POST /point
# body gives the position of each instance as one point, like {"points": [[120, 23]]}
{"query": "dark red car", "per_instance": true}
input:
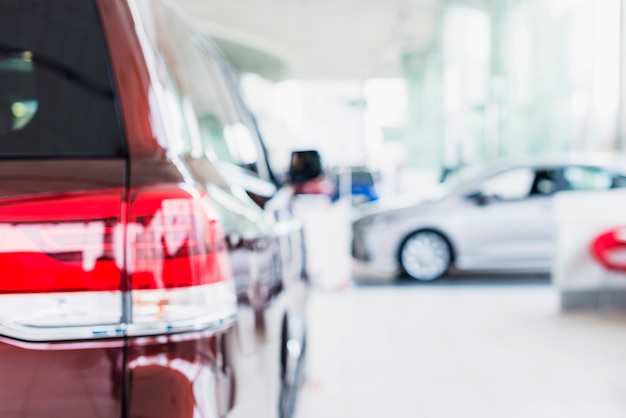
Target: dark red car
{"points": [[132, 184]]}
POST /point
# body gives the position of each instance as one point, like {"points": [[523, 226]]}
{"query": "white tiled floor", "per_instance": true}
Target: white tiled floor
{"points": [[474, 351]]}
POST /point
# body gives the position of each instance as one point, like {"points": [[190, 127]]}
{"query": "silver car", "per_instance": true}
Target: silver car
{"points": [[493, 219]]}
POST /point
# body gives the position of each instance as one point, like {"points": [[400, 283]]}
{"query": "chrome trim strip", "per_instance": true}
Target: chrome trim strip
{"points": [[64, 316], [211, 323], [89, 316], [39, 334]]}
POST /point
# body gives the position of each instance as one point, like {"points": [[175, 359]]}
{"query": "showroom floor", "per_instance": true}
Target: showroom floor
{"points": [[461, 349]]}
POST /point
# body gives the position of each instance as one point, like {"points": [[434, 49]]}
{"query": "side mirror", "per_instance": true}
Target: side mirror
{"points": [[480, 198], [305, 166]]}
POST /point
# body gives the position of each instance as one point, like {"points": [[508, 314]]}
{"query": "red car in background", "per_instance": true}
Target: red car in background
{"points": [[130, 178]]}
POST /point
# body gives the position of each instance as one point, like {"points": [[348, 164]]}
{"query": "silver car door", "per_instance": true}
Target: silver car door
{"points": [[509, 224]]}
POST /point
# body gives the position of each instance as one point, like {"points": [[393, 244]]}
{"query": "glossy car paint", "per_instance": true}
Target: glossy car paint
{"points": [[183, 375], [258, 374], [266, 247], [73, 379], [165, 376], [252, 367], [70, 380], [59, 379], [180, 375], [271, 292], [500, 235]]}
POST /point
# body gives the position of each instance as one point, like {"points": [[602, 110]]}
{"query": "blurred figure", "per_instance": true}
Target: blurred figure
{"points": [[306, 174]]}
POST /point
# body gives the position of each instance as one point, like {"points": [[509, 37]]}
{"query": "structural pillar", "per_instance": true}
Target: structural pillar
{"points": [[621, 119], [495, 146], [424, 133]]}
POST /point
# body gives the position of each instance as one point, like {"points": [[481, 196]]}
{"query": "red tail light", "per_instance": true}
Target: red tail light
{"points": [[609, 249], [63, 243], [179, 274], [173, 242], [98, 264]]}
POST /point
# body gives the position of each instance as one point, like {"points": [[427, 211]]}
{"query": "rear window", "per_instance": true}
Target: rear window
{"points": [[56, 95]]}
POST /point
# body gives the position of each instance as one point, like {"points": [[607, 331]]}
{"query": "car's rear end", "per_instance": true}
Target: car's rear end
{"points": [[115, 289]]}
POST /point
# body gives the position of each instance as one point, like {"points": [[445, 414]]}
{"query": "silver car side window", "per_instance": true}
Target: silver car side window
{"points": [[512, 184], [587, 178]]}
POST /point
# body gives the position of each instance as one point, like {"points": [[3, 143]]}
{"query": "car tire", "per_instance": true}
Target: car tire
{"points": [[425, 255]]}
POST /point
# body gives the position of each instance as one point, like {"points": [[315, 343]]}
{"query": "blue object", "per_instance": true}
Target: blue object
{"points": [[363, 186]]}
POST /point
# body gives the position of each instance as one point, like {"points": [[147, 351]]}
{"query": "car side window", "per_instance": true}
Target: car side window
{"points": [[234, 142], [587, 178], [201, 112], [547, 182], [619, 181], [522, 182], [513, 184]]}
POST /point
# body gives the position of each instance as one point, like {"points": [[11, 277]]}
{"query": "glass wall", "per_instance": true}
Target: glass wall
{"points": [[524, 77], [501, 78]]}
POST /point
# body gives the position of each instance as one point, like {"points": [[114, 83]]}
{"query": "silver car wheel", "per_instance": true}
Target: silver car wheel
{"points": [[425, 256]]}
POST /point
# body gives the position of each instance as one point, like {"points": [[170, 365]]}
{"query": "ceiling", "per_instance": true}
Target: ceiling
{"points": [[316, 38]]}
